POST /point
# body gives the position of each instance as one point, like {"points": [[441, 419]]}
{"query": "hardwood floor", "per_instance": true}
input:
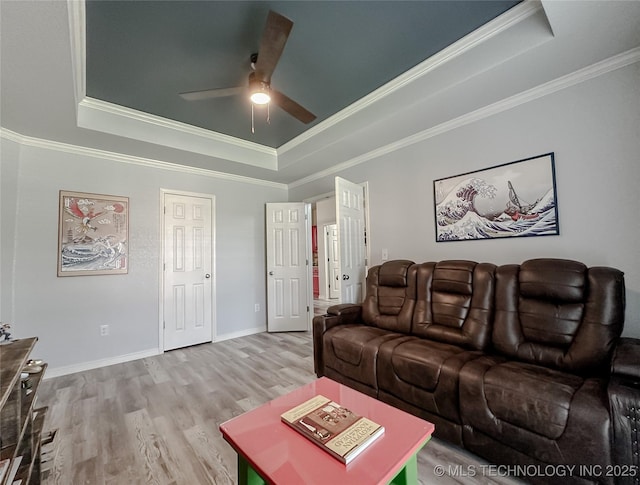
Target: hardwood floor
{"points": [[155, 420]]}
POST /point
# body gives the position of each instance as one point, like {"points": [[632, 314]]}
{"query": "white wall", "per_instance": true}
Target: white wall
{"points": [[594, 130], [9, 155], [65, 313]]}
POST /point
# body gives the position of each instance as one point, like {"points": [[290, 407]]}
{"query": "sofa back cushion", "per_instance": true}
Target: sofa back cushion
{"points": [[559, 313], [391, 296], [455, 302]]}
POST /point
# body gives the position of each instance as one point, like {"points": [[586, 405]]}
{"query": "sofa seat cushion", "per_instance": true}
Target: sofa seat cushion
{"points": [[553, 416], [352, 351], [531, 397], [423, 373]]}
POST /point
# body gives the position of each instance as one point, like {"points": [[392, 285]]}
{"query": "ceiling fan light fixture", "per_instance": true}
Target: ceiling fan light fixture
{"points": [[260, 98], [260, 93]]}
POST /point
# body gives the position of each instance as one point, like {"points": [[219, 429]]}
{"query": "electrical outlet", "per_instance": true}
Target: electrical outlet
{"points": [[104, 330], [257, 307], [385, 254]]}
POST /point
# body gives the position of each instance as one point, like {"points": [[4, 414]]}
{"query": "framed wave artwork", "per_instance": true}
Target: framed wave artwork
{"points": [[93, 234], [514, 199]]}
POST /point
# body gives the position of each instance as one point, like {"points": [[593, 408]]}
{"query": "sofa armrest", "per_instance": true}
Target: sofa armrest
{"points": [[348, 312], [336, 315], [626, 360], [624, 402]]}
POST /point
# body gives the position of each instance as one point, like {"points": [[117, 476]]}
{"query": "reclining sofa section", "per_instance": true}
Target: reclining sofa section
{"points": [[512, 362]]}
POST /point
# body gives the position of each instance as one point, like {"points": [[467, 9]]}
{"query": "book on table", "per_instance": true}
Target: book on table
{"points": [[334, 428]]}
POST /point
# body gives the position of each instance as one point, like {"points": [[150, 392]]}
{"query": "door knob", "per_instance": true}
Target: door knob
{"points": [[207, 275], [270, 273]]}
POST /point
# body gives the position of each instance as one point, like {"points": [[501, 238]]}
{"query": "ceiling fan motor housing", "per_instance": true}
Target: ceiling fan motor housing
{"points": [[259, 90]]}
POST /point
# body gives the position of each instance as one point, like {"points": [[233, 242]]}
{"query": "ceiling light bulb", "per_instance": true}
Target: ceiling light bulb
{"points": [[260, 97]]}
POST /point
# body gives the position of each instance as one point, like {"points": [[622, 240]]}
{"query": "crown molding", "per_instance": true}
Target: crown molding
{"points": [[585, 74], [175, 125], [111, 118], [130, 159], [505, 21], [11, 136]]}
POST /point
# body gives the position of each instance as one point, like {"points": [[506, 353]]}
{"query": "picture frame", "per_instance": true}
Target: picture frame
{"points": [[515, 199], [93, 234]]}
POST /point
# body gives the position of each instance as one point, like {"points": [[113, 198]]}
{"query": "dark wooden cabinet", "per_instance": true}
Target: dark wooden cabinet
{"points": [[20, 421]]}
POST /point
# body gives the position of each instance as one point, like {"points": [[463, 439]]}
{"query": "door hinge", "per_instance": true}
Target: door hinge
{"points": [[307, 262], [307, 309], [164, 325], [164, 266], [164, 209]]}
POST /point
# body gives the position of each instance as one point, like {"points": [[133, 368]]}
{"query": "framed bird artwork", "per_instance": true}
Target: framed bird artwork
{"points": [[93, 231]]}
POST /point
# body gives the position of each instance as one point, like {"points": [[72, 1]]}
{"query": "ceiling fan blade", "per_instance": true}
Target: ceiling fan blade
{"points": [[291, 107], [274, 37], [211, 93]]}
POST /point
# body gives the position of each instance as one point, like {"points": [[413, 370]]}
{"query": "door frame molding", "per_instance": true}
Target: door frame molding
{"points": [[161, 273], [326, 265], [309, 257], [367, 229]]}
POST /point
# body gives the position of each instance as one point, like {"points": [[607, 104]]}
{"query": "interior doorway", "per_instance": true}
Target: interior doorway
{"points": [[323, 216], [326, 247]]}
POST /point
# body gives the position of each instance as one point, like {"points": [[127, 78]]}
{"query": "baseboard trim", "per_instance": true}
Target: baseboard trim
{"points": [[120, 359], [95, 364], [240, 333]]}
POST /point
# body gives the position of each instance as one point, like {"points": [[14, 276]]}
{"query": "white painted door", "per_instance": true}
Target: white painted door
{"points": [[350, 217], [188, 270], [288, 229], [333, 260]]}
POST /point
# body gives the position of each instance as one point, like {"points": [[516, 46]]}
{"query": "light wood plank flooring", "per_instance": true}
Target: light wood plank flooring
{"points": [[320, 306], [155, 420]]}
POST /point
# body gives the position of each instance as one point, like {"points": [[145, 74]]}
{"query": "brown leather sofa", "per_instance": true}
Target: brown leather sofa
{"points": [[521, 364]]}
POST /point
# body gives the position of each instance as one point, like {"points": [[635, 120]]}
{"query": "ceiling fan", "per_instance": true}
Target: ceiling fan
{"points": [[274, 38]]}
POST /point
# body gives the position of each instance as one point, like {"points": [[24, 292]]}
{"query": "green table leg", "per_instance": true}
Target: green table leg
{"points": [[247, 475], [408, 475]]}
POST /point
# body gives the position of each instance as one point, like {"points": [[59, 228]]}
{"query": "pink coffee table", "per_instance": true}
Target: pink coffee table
{"points": [[269, 451]]}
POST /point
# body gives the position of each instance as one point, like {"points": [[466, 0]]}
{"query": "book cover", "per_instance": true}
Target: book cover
{"points": [[334, 428]]}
